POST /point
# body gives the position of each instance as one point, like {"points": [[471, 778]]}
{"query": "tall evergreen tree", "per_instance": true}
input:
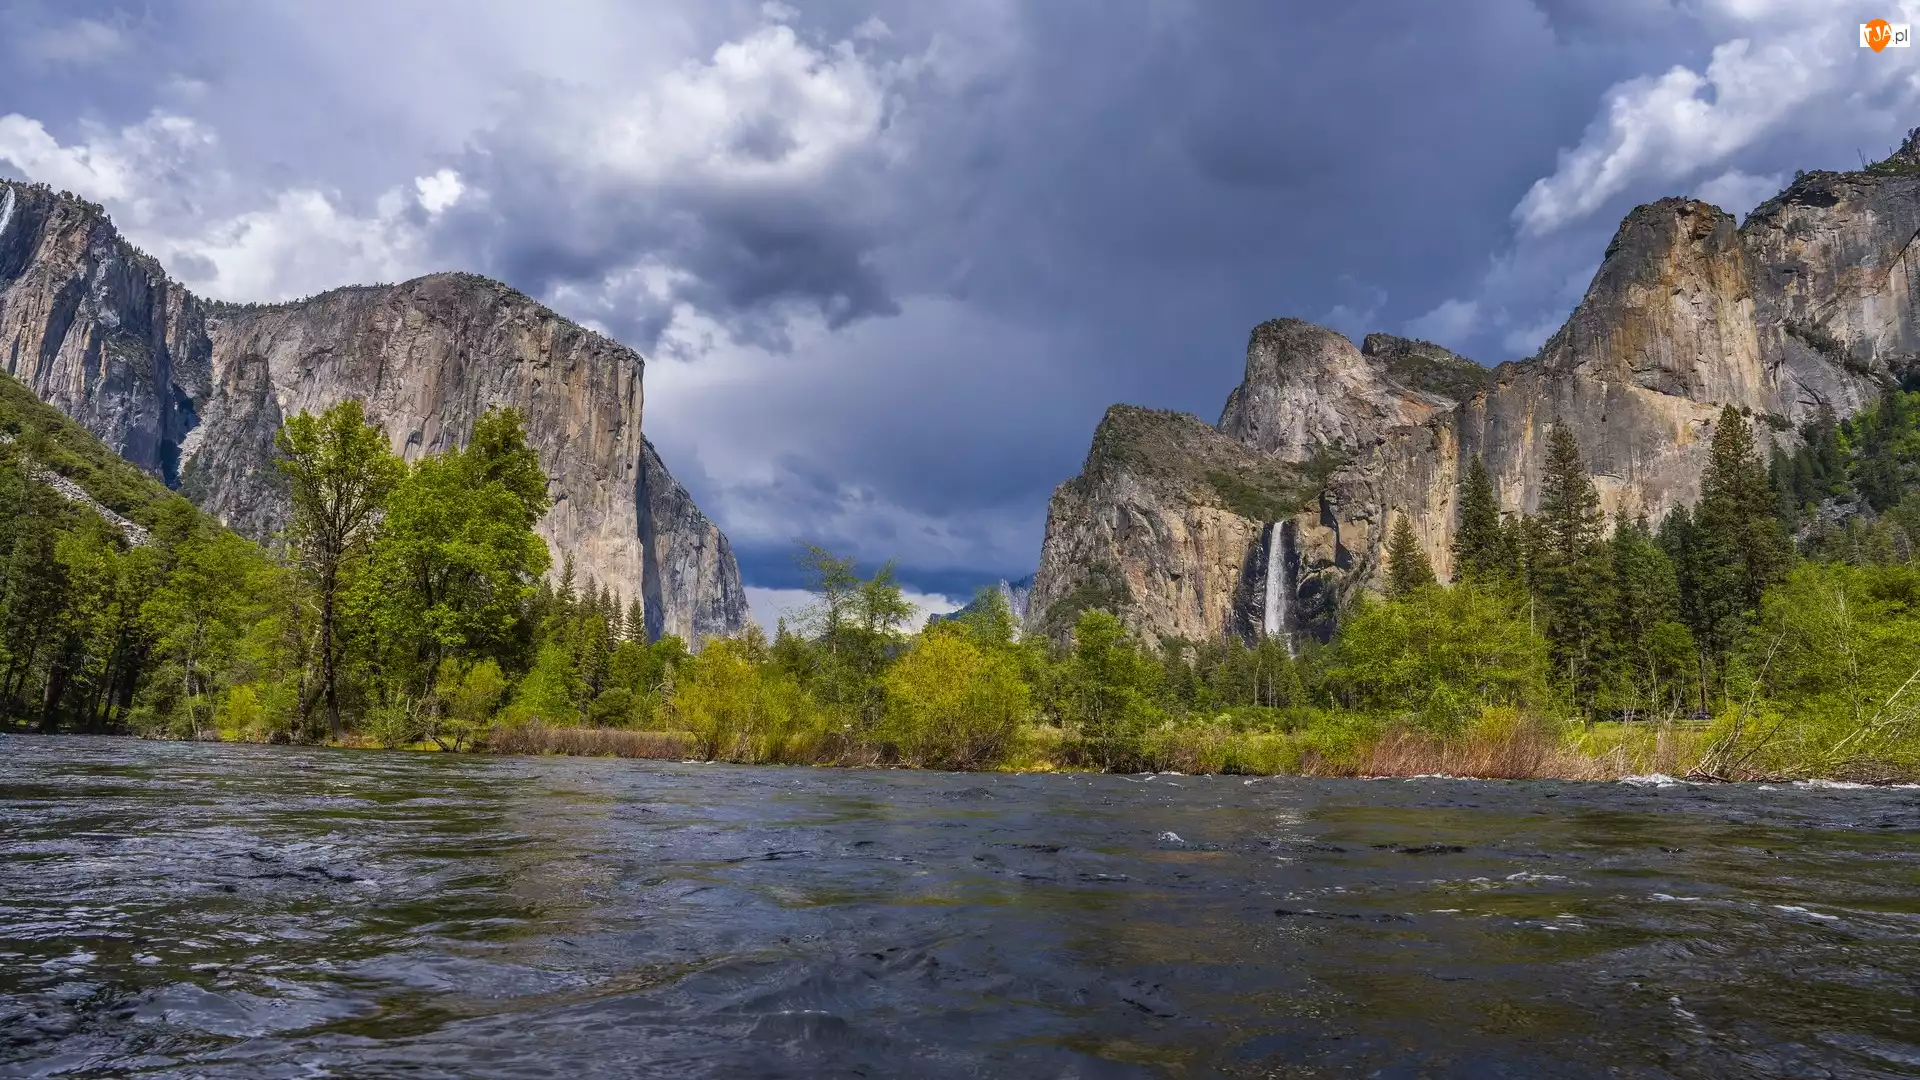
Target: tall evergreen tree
{"points": [[636, 628], [1653, 655], [1735, 515], [1573, 572], [1479, 544], [1729, 548], [1408, 570], [1570, 517]]}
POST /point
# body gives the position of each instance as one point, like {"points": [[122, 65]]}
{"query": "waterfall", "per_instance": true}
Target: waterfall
{"points": [[6, 212], [1278, 622]]}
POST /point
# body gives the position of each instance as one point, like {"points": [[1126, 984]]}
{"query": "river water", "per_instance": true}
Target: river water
{"points": [[176, 910]]}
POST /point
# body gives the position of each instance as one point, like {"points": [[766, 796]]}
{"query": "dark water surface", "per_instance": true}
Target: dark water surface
{"points": [[185, 910]]}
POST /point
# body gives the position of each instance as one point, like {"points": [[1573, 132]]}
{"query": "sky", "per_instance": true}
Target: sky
{"points": [[889, 262]]}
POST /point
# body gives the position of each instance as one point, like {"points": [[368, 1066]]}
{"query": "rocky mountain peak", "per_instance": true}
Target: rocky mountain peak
{"points": [[1307, 390], [1425, 367], [1813, 302], [193, 391]]}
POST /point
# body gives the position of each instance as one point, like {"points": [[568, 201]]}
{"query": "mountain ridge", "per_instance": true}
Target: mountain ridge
{"points": [[1813, 301], [192, 390]]}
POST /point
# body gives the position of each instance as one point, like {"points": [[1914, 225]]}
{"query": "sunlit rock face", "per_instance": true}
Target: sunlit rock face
{"points": [[193, 391], [1813, 301]]}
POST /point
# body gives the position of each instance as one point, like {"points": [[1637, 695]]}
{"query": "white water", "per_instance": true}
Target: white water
{"points": [[1275, 623], [6, 212]]}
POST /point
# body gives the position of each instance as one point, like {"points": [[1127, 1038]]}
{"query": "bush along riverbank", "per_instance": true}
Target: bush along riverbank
{"points": [[1750, 636]]}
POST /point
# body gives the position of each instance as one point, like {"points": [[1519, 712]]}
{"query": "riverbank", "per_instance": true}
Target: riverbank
{"points": [[1500, 745]]}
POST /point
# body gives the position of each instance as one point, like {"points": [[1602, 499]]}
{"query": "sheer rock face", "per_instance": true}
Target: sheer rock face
{"points": [[193, 392], [689, 581], [1814, 301], [1307, 387], [1150, 529]]}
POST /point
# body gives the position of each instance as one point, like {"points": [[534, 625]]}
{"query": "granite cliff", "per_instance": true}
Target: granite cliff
{"points": [[1813, 301], [192, 391]]}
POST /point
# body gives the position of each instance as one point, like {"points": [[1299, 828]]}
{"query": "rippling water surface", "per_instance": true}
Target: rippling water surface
{"points": [[185, 910]]}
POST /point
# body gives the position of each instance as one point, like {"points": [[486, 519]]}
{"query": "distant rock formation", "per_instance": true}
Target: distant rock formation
{"points": [[192, 391], [1814, 301], [1017, 594]]}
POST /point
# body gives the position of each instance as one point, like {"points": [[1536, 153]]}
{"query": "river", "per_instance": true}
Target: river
{"points": [[195, 910]]}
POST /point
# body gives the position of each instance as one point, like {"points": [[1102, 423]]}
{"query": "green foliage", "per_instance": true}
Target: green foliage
{"points": [[468, 700], [1101, 588], [1108, 692], [1652, 668], [1570, 517], [1479, 544], [1568, 567], [457, 559], [952, 704], [32, 429], [1436, 657], [1730, 548], [1836, 665], [339, 471], [1408, 570], [443, 626]]}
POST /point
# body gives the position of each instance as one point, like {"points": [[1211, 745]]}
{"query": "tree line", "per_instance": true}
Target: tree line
{"points": [[413, 605]]}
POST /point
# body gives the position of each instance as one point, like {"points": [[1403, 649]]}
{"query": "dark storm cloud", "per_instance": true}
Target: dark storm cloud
{"points": [[890, 273]]}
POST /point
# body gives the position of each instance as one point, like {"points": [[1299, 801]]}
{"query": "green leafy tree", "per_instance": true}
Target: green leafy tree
{"points": [[199, 616], [988, 619], [1408, 570], [952, 704], [1436, 657], [1110, 689], [469, 696], [339, 471]]}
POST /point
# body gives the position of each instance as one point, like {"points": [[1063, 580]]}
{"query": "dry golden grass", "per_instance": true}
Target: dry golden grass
{"points": [[591, 742], [1518, 751]]}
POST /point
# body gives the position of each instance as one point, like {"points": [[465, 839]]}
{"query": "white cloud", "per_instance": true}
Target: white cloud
{"points": [[302, 244], [766, 110], [768, 606], [109, 166], [439, 191], [1449, 321], [1662, 129], [1737, 192], [151, 176]]}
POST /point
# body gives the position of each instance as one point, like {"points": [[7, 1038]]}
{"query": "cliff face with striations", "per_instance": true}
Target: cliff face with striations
{"points": [[1814, 301], [193, 392]]}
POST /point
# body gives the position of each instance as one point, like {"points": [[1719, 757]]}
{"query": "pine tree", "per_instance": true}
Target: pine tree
{"points": [[1479, 545], [1738, 546], [1653, 655], [1572, 572], [1408, 570], [565, 593], [1570, 512], [636, 628]]}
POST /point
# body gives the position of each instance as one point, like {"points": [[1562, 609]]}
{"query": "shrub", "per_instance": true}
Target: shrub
{"points": [[951, 705]]}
